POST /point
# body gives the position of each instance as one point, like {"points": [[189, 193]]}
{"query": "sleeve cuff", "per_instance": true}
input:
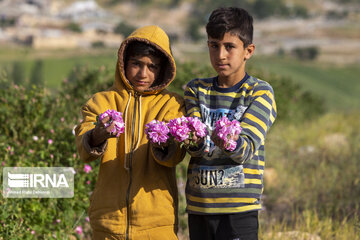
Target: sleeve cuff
{"points": [[196, 151], [165, 156], [93, 151]]}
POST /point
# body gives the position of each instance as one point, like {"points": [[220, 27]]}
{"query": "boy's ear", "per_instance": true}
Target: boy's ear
{"points": [[249, 51]]}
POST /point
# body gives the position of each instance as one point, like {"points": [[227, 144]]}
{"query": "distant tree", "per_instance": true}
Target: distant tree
{"points": [[193, 30], [37, 77], [281, 52], [269, 8], [98, 44], [299, 11], [74, 27], [336, 15], [18, 73], [7, 22], [306, 53], [124, 29], [174, 3]]}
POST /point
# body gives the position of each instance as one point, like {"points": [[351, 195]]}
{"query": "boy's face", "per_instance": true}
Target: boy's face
{"points": [[228, 56], [142, 71]]}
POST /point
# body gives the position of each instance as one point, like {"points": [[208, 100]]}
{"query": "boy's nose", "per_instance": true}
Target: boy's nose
{"points": [[143, 72], [222, 53]]}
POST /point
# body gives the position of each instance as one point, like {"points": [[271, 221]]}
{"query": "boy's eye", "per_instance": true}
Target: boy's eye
{"points": [[153, 67], [135, 63], [229, 47]]}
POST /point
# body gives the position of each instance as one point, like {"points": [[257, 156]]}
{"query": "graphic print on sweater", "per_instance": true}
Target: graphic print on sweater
{"points": [[210, 116]]}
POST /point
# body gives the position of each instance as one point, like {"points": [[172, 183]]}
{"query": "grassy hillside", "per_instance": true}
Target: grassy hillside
{"points": [[339, 85]]}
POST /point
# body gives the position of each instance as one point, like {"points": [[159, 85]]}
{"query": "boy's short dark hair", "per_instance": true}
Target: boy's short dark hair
{"points": [[231, 19], [137, 48]]}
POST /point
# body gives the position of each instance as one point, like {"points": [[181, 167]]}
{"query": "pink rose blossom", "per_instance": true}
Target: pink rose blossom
{"points": [[58, 220], [225, 129], [52, 131], [79, 230], [114, 117], [87, 219], [33, 232], [31, 151], [179, 128], [183, 128], [157, 132], [197, 126], [51, 156], [62, 119], [87, 168], [2, 163], [50, 141], [88, 182]]}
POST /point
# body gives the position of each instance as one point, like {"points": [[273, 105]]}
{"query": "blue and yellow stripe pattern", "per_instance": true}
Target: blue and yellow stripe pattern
{"points": [[220, 181]]}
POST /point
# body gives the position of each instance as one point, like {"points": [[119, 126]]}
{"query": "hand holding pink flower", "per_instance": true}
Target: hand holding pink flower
{"points": [[115, 117], [226, 133], [109, 124], [157, 132], [187, 130]]}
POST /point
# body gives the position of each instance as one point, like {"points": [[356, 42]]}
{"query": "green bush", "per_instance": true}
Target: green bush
{"points": [[124, 28], [74, 27], [314, 166], [37, 74], [29, 119], [18, 73], [98, 44], [306, 53]]}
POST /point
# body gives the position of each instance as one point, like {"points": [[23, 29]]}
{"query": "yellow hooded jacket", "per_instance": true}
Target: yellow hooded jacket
{"points": [[135, 196]]}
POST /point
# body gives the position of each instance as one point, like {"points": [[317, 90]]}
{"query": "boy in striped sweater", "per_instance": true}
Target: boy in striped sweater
{"points": [[224, 187]]}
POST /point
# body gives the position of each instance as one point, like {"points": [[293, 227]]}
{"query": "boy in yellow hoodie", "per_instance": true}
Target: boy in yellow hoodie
{"points": [[135, 196]]}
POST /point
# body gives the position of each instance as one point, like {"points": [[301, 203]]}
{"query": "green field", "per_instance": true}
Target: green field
{"points": [[338, 85], [57, 64]]}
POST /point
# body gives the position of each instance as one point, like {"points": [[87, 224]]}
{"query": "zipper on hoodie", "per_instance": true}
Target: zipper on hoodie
{"points": [[130, 169]]}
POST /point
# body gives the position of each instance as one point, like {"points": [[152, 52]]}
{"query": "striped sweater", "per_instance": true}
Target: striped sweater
{"points": [[218, 181]]}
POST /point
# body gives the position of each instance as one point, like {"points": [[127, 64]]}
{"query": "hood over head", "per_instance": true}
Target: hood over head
{"points": [[155, 36]]}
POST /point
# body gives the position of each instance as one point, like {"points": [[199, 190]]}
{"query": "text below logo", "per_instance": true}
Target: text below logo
{"points": [[43, 182]]}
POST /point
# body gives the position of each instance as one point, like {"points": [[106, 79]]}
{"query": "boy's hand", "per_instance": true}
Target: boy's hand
{"points": [[100, 134], [195, 139], [162, 145], [221, 143]]}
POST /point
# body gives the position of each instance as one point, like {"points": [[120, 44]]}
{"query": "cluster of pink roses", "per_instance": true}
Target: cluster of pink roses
{"points": [[157, 132], [179, 128], [224, 129], [114, 117]]}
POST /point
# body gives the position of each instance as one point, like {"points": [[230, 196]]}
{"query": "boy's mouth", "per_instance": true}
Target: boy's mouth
{"points": [[139, 82], [222, 66]]}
